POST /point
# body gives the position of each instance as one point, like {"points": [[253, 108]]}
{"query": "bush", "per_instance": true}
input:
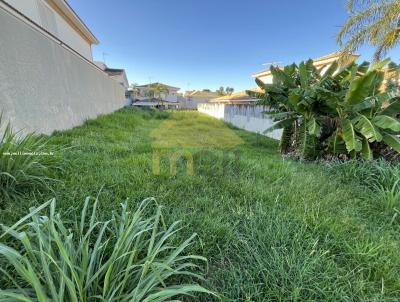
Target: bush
{"points": [[129, 257], [338, 112], [25, 163]]}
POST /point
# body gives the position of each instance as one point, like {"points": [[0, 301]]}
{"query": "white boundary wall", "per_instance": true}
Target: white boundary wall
{"points": [[247, 117], [44, 85]]}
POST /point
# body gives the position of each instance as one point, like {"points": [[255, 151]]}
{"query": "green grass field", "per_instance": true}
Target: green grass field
{"points": [[272, 229]]}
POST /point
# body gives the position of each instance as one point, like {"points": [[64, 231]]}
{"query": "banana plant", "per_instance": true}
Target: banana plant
{"points": [[295, 107], [364, 114], [338, 110]]}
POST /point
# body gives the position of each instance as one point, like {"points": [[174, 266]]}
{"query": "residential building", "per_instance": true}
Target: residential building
{"points": [[47, 47], [391, 74], [322, 63], [157, 95], [168, 93], [238, 98], [193, 98], [60, 20], [155, 103], [117, 74]]}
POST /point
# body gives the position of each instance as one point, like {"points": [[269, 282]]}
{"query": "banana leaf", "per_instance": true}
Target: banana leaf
{"points": [[260, 83], [350, 137], [281, 124], [363, 67], [331, 70], [303, 75], [365, 126], [392, 141], [380, 64], [278, 115], [387, 122], [393, 108], [366, 150], [313, 127], [360, 88], [280, 77], [336, 143]]}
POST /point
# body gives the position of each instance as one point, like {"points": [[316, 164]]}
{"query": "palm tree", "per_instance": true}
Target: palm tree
{"points": [[157, 90], [135, 90], [374, 22]]}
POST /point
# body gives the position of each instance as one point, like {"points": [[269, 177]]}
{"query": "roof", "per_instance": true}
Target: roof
{"points": [[318, 62], [333, 55], [236, 97], [141, 103], [154, 100], [157, 83], [114, 71], [265, 72], [66, 11], [203, 94], [330, 58]]}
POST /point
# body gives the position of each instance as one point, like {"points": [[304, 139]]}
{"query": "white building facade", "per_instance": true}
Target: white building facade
{"points": [[169, 93], [48, 80], [58, 18]]}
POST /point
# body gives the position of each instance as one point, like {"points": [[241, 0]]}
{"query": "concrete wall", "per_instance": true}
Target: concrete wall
{"points": [[44, 86], [44, 15], [248, 117], [185, 103]]}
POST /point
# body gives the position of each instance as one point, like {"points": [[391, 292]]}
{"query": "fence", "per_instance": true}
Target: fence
{"points": [[44, 85], [249, 117]]}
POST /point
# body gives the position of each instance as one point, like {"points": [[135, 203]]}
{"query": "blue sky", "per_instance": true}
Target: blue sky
{"points": [[197, 44]]}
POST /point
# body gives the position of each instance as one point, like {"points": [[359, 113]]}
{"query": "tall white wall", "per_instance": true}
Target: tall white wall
{"points": [[44, 15], [44, 86], [247, 117]]}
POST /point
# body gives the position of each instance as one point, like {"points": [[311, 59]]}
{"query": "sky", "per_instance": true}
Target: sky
{"points": [[205, 44]]}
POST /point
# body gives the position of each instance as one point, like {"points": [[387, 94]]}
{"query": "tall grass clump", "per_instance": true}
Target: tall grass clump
{"points": [[26, 162], [130, 257], [278, 258], [379, 176]]}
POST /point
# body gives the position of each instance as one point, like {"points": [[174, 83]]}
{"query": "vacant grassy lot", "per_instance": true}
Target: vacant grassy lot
{"points": [[272, 229]]}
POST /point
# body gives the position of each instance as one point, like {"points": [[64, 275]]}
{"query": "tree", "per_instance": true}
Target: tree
{"points": [[229, 90], [157, 91], [374, 22], [221, 91], [135, 90]]}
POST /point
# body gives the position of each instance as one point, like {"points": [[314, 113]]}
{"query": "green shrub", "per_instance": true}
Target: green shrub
{"points": [[130, 257], [340, 112], [26, 162]]}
